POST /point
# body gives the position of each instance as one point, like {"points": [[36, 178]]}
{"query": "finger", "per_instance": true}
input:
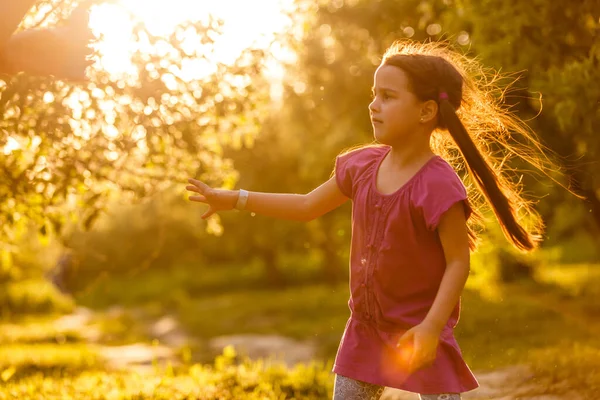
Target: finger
{"points": [[198, 199], [414, 362], [192, 188], [405, 339], [417, 357], [422, 362], [201, 185], [208, 213], [412, 357]]}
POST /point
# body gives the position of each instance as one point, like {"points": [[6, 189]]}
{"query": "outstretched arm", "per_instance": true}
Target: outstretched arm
{"points": [[297, 207]]}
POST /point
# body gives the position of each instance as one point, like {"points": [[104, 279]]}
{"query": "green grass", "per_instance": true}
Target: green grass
{"points": [[495, 334], [34, 331], [22, 360], [119, 329], [499, 329], [31, 297], [570, 367], [225, 379], [312, 312], [166, 288], [200, 300], [550, 324]]}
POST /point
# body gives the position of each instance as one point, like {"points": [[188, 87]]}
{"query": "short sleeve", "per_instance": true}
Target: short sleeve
{"points": [[438, 192], [351, 167], [343, 173]]}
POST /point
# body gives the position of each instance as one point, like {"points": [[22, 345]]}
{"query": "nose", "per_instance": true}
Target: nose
{"points": [[374, 106]]}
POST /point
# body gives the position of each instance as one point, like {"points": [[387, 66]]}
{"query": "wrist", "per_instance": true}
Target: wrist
{"points": [[434, 326], [235, 194], [241, 199]]}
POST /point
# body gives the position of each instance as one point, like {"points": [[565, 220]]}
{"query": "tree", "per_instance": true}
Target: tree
{"points": [[342, 43], [67, 147], [554, 48]]}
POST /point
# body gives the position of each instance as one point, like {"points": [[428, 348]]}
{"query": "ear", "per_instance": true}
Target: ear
{"points": [[429, 110]]}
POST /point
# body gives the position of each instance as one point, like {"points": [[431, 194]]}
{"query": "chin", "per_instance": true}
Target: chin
{"points": [[381, 138]]}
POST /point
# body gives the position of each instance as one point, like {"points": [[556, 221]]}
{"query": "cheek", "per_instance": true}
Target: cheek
{"points": [[403, 113]]}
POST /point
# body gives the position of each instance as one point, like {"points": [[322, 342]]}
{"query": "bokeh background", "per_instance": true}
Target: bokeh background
{"points": [[263, 95]]}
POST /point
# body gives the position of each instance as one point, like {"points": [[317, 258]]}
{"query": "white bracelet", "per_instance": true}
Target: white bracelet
{"points": [[242, 200]]}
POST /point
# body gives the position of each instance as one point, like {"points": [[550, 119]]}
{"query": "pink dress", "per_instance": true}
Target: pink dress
{"points": [[396, 266]]}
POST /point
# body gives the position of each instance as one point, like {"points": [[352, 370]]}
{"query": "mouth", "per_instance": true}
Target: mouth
{"points": [[376, 121]]}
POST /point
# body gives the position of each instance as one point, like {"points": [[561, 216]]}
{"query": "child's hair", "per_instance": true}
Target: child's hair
{"points": [[482, 130]]}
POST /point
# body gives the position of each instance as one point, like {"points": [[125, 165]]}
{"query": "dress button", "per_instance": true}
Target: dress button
{"points": [[363, 261], [368, 316], [370, 246], [362, 285], [377, 206]]}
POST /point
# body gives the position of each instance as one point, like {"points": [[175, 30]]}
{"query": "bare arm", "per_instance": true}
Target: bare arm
{"points": [[296, 207], [418, 346], [455, 242]]}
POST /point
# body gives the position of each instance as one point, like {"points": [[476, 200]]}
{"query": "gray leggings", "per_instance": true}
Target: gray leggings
{"points": [[350, 389]]}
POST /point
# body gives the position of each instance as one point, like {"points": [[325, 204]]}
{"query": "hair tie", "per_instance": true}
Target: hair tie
{"points": [[443, 96]]}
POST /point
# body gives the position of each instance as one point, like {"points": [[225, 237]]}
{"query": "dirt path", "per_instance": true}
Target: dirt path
{"points": [[512, 383]]}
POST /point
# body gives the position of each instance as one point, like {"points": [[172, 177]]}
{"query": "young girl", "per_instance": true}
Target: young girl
{"points": [[410, 238]]}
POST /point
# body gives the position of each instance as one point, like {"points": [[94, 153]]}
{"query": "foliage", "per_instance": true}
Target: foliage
{"points": [[163, 128], [554, 52], [33, 296], [225, 379], [573, 368], [19, 360], [527, 310], [524, 324], [67, 147]]}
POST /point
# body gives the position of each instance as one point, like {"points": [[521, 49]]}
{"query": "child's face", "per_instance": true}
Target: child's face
{"points": [[395, 111]]}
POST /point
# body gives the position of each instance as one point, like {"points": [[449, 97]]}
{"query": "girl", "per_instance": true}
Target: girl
{"points": [[410, 238]]}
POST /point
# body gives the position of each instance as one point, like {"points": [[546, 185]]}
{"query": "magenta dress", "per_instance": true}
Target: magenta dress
{"points": [[396, 266]]}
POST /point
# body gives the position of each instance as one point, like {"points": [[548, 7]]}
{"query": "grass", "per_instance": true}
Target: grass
{"points": [[498, 330], [18, 360], [569, 368], [225, 379], [34, 331], [549, 324], [31, 297]]}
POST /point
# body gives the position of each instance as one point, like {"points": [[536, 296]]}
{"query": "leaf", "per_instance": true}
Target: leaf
{"points": [[6, 260], [8, 373]]}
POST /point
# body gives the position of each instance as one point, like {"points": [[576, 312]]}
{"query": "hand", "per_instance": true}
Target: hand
{"points": [[418, 346], [217, 199]]}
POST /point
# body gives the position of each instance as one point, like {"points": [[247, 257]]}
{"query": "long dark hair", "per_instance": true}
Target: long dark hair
{"points": [[484, 134]]}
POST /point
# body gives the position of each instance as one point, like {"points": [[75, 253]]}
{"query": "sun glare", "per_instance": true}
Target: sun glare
{"points": [[245, 24]]}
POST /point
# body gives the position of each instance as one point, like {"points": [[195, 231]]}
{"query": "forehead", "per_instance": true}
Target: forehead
{"points": [[391, 77]]}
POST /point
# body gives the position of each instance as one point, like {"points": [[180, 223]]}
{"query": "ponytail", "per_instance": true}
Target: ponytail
{"points": [[485, 134], [485, 178]]}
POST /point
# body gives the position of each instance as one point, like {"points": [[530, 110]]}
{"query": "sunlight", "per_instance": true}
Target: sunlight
{"points": [[11, 145], [245, 24]]}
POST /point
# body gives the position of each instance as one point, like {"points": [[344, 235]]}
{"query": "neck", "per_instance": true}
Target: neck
{"points": [[410, 152]]}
